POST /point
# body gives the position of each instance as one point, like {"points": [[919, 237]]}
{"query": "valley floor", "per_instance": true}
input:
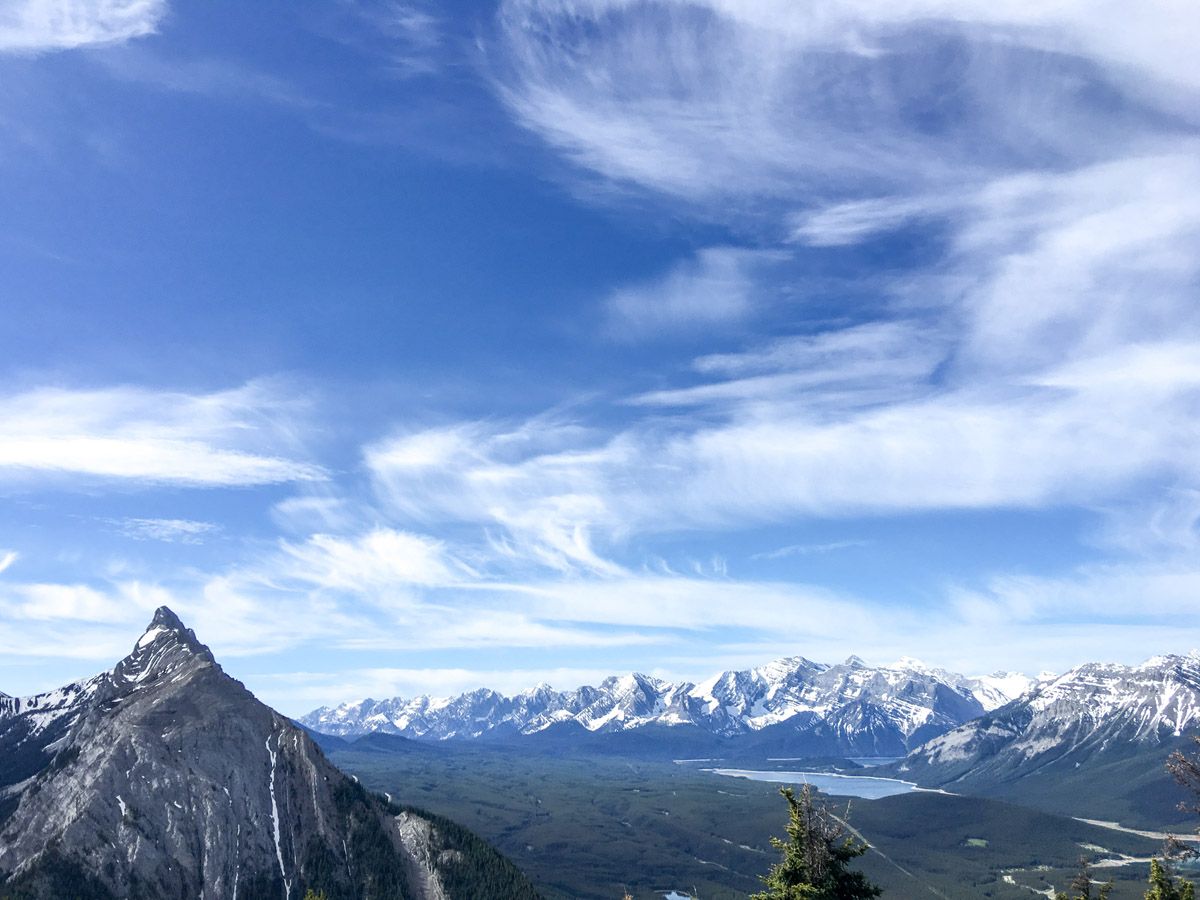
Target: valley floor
{"points": [[590, 827]]}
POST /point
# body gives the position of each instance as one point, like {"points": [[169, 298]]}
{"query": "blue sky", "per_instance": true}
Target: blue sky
{"points": [[407, 347]]}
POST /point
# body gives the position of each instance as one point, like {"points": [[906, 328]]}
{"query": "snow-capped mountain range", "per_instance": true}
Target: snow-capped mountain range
{"points": [[1098, 710], [790, 703]]}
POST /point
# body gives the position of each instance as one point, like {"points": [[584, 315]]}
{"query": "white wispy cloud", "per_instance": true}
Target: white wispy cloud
{"points": [[741, 105], [799, 611], [1006, 445], [1154, 592], [718, 286], [401, 592], [850, 222], [321, 509], [1163, 524], [405, 37], [181, 531], [237, 437], [7, 558], [533, 481], [61, 601], [1076, 264], [1156, 44], [75, 620], [863, 365], [85, 647], [35, 26], [810, 549], [379, 590], [380, 558]]}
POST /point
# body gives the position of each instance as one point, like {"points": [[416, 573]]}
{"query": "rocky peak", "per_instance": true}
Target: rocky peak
{"points": [[167, 647], [165, 777], [164, 617]]}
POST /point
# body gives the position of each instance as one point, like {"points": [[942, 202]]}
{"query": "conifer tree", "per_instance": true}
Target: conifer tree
{"points": [[1186, 769], [1163, 886], [1081, 886], [816, 857]]}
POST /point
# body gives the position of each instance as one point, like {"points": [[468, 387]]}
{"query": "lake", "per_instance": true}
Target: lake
{"points": [[864, 786]]}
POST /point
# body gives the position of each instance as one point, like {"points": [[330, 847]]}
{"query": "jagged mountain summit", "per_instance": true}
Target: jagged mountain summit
{"points": [[792, 704], [1094, 722], [166, 778]]}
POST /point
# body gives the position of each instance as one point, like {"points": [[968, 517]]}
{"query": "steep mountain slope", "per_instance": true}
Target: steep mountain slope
{"points": [[790, 705], [31, 728], [1102, 726], [167, 778]]}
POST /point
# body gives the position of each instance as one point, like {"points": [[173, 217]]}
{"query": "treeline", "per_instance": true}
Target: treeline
{"points": [[54, 877], [467, 865]]}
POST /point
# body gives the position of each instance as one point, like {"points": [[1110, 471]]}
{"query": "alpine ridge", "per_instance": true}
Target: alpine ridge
{"points": [[792, 704], [1091, 709], [166, 778], [1100, 723]]}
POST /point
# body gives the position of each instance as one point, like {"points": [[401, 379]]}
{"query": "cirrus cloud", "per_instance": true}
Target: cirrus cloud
{"points": [[741, 106], [238, 437], [36, 26]]}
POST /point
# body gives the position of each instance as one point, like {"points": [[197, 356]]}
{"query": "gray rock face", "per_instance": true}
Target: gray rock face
{"points": [[168, 779]]}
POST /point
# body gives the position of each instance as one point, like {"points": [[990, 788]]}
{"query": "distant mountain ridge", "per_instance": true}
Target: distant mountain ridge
{"points": [[1091, 709], [849, 708], [1101, 728], [164, 777]]}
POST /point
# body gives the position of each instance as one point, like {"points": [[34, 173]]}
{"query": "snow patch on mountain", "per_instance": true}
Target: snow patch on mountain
{"points": [[995, 690]]}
